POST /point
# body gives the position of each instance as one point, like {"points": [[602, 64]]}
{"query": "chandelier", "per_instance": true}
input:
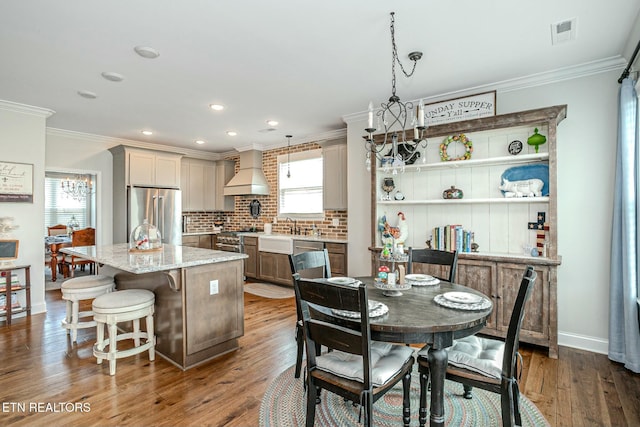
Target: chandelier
{"points": [[405, 144], [78, 188]]}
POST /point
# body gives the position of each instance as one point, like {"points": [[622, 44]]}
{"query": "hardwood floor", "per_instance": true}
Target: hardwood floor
{"points": [[40, 367]]}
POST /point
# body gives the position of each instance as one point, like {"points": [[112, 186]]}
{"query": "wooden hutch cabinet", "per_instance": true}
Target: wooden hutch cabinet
{"points": [[504, 225]]}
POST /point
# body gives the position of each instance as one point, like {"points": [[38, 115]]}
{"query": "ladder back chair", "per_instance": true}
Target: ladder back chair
{"points": [[434, 257], [485, 363], [56, 230], [82, 237], [349, 370], [299, 263]]}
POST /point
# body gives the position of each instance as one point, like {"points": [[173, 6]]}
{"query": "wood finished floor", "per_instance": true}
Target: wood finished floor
{"points": [[38, 364]]}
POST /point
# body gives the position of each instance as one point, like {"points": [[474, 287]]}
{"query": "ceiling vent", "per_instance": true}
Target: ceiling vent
{"points": [[563, 31]]}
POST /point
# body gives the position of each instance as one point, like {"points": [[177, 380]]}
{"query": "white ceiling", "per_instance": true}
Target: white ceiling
{"points": [[306, 64]]}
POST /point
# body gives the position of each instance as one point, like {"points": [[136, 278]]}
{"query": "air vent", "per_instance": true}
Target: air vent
{"points": [[564, 31]]}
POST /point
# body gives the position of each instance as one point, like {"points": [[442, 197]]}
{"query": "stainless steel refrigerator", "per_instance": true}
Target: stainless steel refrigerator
{"points": [[161, 207]]}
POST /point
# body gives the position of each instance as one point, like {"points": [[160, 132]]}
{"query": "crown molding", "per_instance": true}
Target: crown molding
{"points": [[112, 142], [26, 109], [533, 80]]}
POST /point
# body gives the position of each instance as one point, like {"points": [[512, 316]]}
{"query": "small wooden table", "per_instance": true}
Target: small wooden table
{"points": [[415, 318], [55, 243]]}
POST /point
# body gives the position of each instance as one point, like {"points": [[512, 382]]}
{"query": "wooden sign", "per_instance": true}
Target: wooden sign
{"points": [[16, 182], [455, 110]]}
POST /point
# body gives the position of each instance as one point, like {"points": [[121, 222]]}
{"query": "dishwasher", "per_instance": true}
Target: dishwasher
{"points": [[300, 246]]}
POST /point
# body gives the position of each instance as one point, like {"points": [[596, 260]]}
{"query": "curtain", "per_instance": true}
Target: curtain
{"points": [[624, 328]]}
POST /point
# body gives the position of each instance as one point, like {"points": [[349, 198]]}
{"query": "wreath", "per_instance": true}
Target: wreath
{"points": [[468, 147]]}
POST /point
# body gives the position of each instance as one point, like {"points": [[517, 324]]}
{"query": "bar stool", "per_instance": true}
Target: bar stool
{"points": [[78, 289], [122, 306]]}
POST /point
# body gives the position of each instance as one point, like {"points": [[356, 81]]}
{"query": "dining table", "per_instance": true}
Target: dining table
{"points": [[53, 244], [417, 316]]}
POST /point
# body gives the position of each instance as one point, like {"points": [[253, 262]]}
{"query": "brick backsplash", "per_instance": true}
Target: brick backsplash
{"points": [[241, 218]]}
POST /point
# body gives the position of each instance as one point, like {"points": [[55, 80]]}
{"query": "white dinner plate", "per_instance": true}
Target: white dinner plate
{"points": [[419, 277], [462, 297], [342, 280]]}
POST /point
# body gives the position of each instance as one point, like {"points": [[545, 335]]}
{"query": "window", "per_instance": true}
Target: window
{"points": [[300, 194], [59, 207]]}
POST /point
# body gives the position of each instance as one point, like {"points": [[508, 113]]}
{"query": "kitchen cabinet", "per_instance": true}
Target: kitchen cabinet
{"points": [[225, 170], [251, 250], [506, 226], [334, 177], [204, 241], [198, 183], [274, 268], [337, 258], [11, 285], [147, 168]]}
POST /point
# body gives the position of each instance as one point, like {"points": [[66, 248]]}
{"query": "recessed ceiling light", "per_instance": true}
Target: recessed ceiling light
{"points": [[87, 94], [111, 76], [272, 123], [217, 107], [147, 132], [199, 141], [232, 133], [146, 52]]}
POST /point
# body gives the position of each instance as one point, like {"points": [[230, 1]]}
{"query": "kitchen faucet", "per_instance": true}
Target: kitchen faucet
{"points": [[293, 230]]}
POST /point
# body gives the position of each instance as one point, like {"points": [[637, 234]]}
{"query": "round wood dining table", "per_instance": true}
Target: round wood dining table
{"points": [[415, 318]]}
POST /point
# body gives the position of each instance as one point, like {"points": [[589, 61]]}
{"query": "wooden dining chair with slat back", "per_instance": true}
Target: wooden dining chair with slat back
{"points": [[349, 370], [485, 363], [56, 230], [446, 259], [82, 237], [300, 263]]}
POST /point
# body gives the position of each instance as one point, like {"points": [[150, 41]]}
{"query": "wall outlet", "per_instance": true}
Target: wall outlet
{"points": [[213, 287], [335, 222]]}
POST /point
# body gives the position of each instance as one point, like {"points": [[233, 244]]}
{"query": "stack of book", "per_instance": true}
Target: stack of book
{"points": [[15, 282], [451, 238], [15, 305]]}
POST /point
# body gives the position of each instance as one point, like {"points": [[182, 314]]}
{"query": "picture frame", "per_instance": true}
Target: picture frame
{"points": [[16, 182], [458, 109]]}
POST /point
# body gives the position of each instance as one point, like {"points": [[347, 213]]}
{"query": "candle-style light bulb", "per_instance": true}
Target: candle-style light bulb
{"points": [[370, 120], [421, 113]]}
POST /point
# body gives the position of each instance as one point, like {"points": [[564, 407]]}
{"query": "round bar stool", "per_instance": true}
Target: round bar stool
{"points": [[78, 289], [122, 306]]}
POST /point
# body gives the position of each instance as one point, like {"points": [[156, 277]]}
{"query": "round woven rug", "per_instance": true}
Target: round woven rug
{"points": [[284, 405]]}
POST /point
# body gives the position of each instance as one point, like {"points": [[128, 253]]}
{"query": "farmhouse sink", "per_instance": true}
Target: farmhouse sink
{"points": [[276, 243]]}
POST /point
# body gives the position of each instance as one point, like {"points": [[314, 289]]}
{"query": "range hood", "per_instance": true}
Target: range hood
{"points": [[250, 179]]}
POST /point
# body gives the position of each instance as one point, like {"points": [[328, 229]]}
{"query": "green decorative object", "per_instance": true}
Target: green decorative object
{"points": [[536, 139]]}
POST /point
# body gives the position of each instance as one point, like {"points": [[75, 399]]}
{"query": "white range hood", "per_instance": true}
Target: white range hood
{"points": [[250, 179]]}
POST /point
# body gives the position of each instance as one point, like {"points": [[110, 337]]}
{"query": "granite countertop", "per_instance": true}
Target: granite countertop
{"points": [[171, 257], [296, 237], [200, 233]]}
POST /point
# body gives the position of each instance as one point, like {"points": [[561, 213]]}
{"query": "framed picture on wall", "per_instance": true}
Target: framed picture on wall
{"points": [[16, 182]]}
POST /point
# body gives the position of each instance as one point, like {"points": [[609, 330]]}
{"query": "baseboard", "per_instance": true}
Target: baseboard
{"points": [[583, 342]]}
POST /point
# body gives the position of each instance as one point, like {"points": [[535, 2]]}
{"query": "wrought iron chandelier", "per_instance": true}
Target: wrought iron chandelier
{"points": [[394, 116], [78, 188]]}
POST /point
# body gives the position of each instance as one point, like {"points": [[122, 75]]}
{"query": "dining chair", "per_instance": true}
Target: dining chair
{"points": [[82, 237], [357, 369], [434, 257], [56, 230], [488, 364], [300, 263]]}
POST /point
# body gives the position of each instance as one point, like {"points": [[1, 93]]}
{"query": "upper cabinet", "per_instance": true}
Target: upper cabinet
{"points": [[146, 167], [334, 184], [202, 184]]}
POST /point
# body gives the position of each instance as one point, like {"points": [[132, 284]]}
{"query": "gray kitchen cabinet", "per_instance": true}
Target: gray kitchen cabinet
{"points": [[334, 177], [198, 183], [337, 258], [204, 241], [274, 268], [147, 168], [225, 170], [251, 250]]}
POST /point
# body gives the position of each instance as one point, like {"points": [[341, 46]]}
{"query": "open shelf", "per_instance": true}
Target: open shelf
{"points": [[467, 201], [504, 160]]}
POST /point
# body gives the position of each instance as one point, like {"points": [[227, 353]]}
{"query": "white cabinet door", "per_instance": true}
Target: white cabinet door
{"points": [[334, 159], [142, 168], [167, 169], [225, 170], [209, 187]]}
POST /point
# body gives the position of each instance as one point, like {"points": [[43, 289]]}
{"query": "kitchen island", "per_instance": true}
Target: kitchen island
{"points": [[199, 310]]}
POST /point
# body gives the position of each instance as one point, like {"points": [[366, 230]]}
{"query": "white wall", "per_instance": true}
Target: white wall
{"points": [[22, 140], [586, 160]]}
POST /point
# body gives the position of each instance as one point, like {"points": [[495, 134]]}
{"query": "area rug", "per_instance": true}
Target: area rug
{"points": [[269, 290], [284, 405]]}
